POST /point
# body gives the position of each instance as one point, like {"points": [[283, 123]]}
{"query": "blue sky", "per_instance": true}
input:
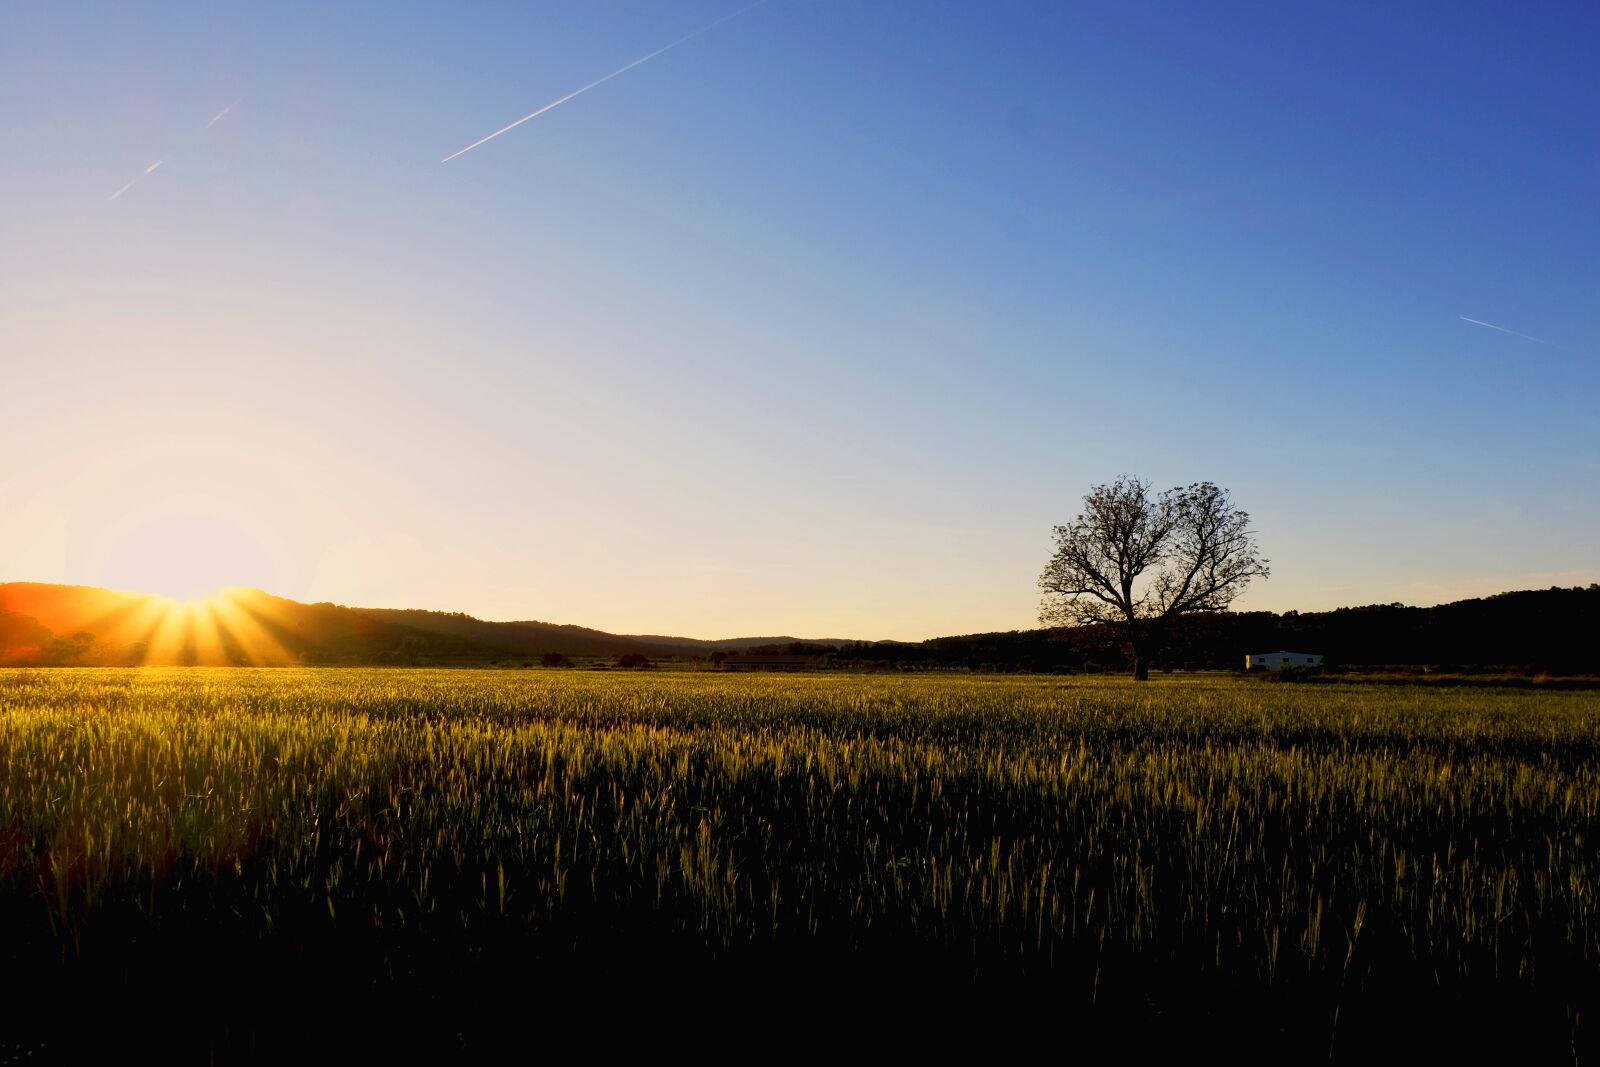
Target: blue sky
{"points": [[815, 324]]}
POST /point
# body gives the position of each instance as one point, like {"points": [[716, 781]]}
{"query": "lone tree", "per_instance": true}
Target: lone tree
{"points": [[1136, 562]]}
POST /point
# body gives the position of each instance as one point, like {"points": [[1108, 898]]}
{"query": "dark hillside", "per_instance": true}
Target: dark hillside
{"points": [[57, 625], [526, 638], [1551, 630]]}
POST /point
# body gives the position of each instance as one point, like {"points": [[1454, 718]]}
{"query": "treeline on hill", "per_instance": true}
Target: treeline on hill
{"points": [[61, 625], [64, 625], [1550, 630]]}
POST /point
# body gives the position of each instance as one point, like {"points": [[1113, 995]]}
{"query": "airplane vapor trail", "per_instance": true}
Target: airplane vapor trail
{"points": [[601, 81], [151, 168], [218, 116], [1513, 333], [135, 181]]}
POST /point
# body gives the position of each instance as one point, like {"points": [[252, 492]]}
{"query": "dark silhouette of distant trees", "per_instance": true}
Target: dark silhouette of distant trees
{"points": [[1530, 632], [70, 651], [1135, 562], [634, 661], [1526, 632], [23, 639], [554, 659]]}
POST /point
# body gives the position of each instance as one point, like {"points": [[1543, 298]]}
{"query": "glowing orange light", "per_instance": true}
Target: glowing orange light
{"points": [[231, 627]]}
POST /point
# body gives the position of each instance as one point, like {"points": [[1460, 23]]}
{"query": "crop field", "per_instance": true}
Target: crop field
{"points": [[225, 859]]}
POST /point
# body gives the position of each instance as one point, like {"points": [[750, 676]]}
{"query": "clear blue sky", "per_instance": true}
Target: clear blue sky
{"points": [[815, 324]]}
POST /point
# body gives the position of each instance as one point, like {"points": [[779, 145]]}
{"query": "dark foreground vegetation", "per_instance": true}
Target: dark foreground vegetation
{"points": [[309, 863]]}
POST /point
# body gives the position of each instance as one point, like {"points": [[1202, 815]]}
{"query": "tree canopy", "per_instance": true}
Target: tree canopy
{"points": [[1135, 561]]}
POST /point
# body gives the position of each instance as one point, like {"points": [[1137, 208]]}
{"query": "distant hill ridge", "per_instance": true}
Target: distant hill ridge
{"points": [[1555, 629], [533, 636], [740, 644], [46, 624]]}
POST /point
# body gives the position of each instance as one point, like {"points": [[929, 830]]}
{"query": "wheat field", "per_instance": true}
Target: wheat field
{"points": [[1313, 865]]}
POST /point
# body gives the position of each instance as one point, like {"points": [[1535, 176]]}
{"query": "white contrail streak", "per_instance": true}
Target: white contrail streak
{"points": [[151, 168], [620, 70], [135, 181], [218, 116], [1513, 333]]}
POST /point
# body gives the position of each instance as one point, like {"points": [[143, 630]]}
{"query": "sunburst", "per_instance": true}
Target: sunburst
{"points": [[230, 627]]}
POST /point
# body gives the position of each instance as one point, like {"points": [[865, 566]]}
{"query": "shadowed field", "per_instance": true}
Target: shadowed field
{"points": [[438, 857]]}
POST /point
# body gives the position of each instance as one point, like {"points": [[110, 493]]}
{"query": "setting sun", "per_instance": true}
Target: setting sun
{"points": [[237, 627]]}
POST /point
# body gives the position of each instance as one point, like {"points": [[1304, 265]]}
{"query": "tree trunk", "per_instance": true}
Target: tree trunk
{"points": [[1144, 641], [1139, 650]]}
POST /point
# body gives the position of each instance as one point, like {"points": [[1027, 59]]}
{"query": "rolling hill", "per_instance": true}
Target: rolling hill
{"points": [[1549, 629], [43, 624]]}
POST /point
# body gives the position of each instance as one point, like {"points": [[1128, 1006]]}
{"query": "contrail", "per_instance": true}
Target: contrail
{"points": [[214, 120], [1513, 333], [620, 70], [218, 116], [135, 181]]}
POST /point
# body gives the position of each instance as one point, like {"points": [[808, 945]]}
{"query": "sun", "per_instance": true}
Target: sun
{"points": [[182, 593], [233, 627], [188, 602]]}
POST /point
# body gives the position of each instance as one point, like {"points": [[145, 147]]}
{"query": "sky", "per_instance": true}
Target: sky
{"points": [[815, 324]]}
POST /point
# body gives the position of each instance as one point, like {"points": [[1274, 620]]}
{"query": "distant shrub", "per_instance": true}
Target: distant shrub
{"points": [[634, 660], [554, 659]]}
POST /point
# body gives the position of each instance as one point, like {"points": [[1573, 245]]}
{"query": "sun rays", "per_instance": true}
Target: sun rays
{"points": [[233, 627]]}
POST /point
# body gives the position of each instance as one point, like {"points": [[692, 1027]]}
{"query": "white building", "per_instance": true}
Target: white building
{"points": [[1277, 661]]}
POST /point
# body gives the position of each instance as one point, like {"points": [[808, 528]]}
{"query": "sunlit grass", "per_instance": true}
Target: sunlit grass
{"points": [[1297, 844]]}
